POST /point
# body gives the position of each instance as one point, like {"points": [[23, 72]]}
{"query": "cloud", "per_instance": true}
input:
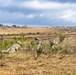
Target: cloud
{"points": [[40, 5], [37, 11], [69, 15], [36, 4], [30, 16], [15, 17], [4, 3], [44, 5]]}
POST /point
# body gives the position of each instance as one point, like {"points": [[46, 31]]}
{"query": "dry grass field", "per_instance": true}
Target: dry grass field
{"points": [[23, 63], [13, 30], [16, 64]]}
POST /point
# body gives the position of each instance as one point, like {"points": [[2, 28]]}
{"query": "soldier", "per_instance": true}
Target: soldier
{"points": [[14, 47], [38, 47], [54, 43]]}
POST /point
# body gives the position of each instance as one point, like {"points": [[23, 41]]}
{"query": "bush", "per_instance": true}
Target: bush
{"points": [[56, 49], [15, 38], [38, 32], [22, 37], [46, 47], [33, 43], [61, 37], [5, 44], [66, 49]]}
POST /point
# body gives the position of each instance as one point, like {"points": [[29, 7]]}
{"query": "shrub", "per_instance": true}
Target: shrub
{"points": [[66, 49], [22, 37], [38, 32], [5, 44], [61, 37], [15, 38], [56, 49], [46, 47], [33, 43], [1, 37]]}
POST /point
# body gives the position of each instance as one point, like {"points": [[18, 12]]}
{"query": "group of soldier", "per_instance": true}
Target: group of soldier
{"points": [[17, 45]]}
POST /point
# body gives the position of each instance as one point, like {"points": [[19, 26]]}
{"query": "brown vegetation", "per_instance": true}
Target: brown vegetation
{"points": [[60, 60]]}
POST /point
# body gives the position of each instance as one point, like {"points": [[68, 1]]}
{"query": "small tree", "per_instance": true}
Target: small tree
{"points": [[14, 26]]}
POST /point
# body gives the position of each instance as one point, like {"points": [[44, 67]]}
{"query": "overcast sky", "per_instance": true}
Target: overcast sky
{"points": [[38, 12]]}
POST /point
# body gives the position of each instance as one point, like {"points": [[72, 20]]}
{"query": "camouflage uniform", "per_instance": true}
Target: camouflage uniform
{"points": [[38, 47], [14, 47]]}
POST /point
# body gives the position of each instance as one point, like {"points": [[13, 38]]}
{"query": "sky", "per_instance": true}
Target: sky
{"points": [[38, 13]]}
